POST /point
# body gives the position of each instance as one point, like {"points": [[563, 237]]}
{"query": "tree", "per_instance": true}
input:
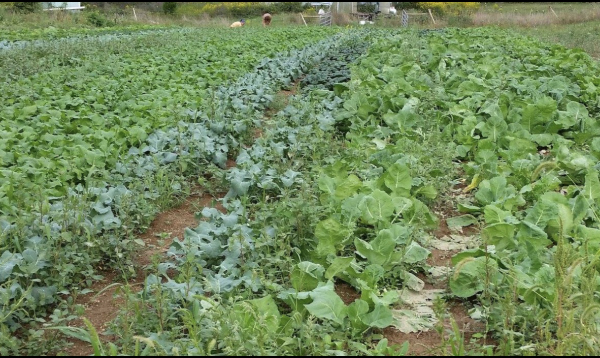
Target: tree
{"points": [[169, 8], [26, 7]]}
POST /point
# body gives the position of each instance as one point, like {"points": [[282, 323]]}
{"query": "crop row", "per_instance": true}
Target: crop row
{"points": [[302, 217], [67, 239], [76, 113], [521, 118], [254, 275]]}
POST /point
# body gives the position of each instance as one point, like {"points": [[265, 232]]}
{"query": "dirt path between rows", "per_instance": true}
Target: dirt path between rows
{"points": [[102, 305], [425, 343]]}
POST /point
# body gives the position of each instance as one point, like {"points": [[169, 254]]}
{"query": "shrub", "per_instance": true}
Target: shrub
{"points": [[310, 12], [169, 8], [462, 8], [97, 19], [26, 7], [438, 8], [294, 7], [405, 5], [454, 8]]}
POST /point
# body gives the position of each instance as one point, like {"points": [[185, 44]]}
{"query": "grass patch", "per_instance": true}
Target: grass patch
{"points": [[585, 35], [536, 14]]}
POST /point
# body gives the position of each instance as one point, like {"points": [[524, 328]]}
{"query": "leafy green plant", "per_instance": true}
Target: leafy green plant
{"points": [[97, 19], [96, 222]]}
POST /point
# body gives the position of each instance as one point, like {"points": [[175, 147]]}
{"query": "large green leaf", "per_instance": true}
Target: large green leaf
{"points": [[591, 190], [380, 317], [542, 212], [327, 304], [536, 117], [533, 234], [575, 113], [492, 191], [348, 187], [378, 252], [419, 213], [398, 180], [415, 253], [499, 234], [397, 233], [579, 208], [267, 308], [495, 215], [8, 261], [493, 128], [264, 309], [376, 207], [469, 276], [339, 264], [330, 234], [356, 312], [306, 276]]}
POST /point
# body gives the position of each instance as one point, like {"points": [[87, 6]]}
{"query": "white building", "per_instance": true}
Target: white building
{"points": [[62, 6]]}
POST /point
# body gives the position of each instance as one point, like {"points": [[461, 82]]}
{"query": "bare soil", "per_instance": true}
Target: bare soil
{"points": [[100, 309]]}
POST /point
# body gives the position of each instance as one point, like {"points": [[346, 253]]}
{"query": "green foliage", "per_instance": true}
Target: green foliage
{"points": [[538, 205], [169, 7], [94, 222], [517, 117], [405, 5], [97, 19], [26, 7], [262, 253], [288, 7], [453, 8]]}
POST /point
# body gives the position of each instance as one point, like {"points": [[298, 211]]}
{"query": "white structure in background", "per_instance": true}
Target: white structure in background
{"points": [[62, 6]]}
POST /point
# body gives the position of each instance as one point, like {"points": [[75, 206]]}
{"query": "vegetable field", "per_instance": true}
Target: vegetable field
{"points": [[366, 191]]}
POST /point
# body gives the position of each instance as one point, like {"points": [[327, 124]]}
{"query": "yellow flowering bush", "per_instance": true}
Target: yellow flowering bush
{"points": [[454, 8]]}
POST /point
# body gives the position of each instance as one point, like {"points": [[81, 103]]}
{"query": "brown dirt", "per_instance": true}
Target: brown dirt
{"points": [[103, 308], [430, 343], [230, 164], [447, 210], [441, 257], [429, 284], [99, 310], [346, 292], [257, 133], [442, 230]]}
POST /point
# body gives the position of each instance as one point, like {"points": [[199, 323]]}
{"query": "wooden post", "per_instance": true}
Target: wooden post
{"points": [[134, 15], [431, 15], [553, 11], [305, 24]]}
